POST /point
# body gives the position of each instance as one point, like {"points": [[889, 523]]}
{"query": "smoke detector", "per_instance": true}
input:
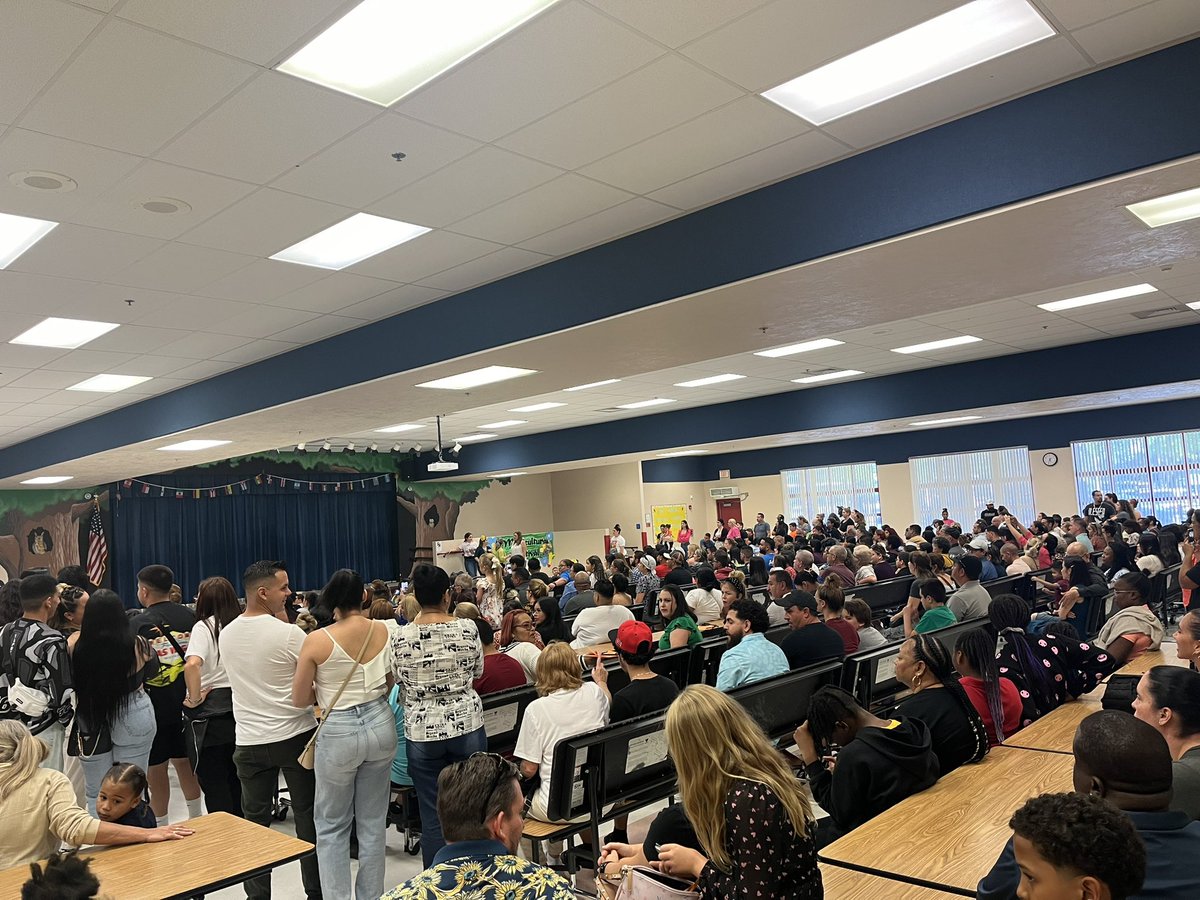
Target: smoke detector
{"points": [[164, 206], [51, 182]]}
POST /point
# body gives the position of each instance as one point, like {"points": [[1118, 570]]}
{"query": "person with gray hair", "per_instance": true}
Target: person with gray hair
{"points": [[481, 809]]}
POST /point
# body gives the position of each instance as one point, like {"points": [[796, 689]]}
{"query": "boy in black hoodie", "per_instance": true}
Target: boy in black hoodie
{"points": [[881, 762]]}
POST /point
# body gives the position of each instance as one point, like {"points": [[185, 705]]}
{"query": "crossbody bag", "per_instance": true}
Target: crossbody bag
{"points": [[308, 756]]}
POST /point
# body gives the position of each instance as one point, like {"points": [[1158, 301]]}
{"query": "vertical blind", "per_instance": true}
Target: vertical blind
{"points": [[1160, 471], [822, 489], [963, 483]]}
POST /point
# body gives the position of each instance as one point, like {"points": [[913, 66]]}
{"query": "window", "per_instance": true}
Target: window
{"points": [[1160, 471], [963, 483], [823, 489]]}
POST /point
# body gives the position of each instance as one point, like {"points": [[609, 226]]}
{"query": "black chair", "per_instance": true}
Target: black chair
{"points": [[884, 595], [780, 704], [502, 715], [706, 659], [1009, 584]]}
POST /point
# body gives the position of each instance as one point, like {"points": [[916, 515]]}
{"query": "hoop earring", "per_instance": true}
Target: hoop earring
{"points": [[917, 682]]}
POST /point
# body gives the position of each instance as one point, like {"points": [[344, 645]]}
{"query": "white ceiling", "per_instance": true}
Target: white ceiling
{"points": [[540, 146]]}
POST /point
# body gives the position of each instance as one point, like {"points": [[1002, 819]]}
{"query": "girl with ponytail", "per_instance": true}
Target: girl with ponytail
{"points": [[994, 697]]}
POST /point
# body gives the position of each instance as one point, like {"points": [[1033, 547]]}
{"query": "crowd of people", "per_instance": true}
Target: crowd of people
{"points": [[356, 691]]}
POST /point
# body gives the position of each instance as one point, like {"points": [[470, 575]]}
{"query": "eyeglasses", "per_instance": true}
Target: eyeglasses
{"points": [[505, 769], [522, 625]]}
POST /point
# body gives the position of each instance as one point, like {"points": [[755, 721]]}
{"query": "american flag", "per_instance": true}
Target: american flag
{"points": [[97, 560]]}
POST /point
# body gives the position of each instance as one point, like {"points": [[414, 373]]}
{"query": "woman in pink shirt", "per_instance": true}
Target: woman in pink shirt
{"points": [[733, 532]]}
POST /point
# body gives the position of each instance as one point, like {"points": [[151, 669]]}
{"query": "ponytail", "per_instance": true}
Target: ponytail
{"points": [[933, 653], [980, 651]]}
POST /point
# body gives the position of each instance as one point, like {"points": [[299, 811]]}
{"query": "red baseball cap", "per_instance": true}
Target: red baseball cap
{"points": [[630, 637]]}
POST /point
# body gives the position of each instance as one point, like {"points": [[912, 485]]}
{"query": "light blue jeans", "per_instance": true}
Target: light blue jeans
{"points": [[354, 761], [132, 735]]}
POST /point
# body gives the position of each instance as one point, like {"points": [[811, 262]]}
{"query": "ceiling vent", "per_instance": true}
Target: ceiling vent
{"points": [[1161, 311], [51, 182]]}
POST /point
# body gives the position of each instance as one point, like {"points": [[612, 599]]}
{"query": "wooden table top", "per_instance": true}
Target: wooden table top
{"points": [[224, 850], [1055, 731], [951, 834], [1167, 656], [847, 884]]}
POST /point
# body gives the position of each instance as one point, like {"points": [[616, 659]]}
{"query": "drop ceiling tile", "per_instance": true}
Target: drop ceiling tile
{"points": [[46, 410], [259, 32], [269, 126], [263, 280], [266, 222], [202, 346], [558, 57], [36, 38], [24, 357], [92, 168], [136, 339], [120, 208], [46, 378], [552, 205], [93, 362], [207, 368], [194, 313], [486, 268], [675, 22], [98, 98], [667, 92], [786, 38], [423, 256], [317, 329], [339, 290], [9, 374], [392, 302], [22, 395], [360, 169], [256, 350], [486, 177], [92, 254], [181, 268], [260, 321], [152, 365], [1073, 14], [624, 218], [735, 130], [1139, 30], [807, 151]]}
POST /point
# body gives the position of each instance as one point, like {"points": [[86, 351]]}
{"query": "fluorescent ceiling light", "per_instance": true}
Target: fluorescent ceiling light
{"points": [[477, 378], [395, 429], [1166, 210], [681, 453], [18, 234], [1195, 304], [944, 421], [1102, 297], [63, 334], [537, 407], [507, 474], [507, 423], [108, 384], [383, 50], [641, 404], [197, 444], [827, 376], [594, 384], [350, 241], [48, 479], [938, 345], [471, 438], [819, 344], [711, 379], [959, 39]]}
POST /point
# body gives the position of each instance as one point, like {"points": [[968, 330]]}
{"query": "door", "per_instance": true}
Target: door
{"points": [[729, 509]]}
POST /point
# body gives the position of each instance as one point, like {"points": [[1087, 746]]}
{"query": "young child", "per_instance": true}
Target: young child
{"points": [[122, 798]]}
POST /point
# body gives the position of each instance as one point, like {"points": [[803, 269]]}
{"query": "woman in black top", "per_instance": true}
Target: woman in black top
{"points": [[548, 620], [926, 668]]}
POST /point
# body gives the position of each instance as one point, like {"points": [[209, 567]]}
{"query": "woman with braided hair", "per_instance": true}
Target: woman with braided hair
{"points": [[924, 666], [995, 698]]}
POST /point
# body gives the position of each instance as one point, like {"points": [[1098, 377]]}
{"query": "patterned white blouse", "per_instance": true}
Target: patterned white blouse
{"points": [[435, 664]]}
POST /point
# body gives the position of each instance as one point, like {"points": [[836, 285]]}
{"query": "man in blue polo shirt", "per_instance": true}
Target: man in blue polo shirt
{"points": [[750, 657]]}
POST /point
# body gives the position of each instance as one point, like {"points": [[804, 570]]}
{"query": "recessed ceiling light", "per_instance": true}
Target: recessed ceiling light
{"points": [[819, 344], [680, 453], [477, 377], [18, 234], [537, 407], [383, 50], [43, 181], [827, 376], [711, 379], [197, 444], [1167, 210], [108, 384], [948, 421], [938, 345], [507, 423], [1135, 290], [657, 401], [164, 206], [395, 429], [507, 474], [939, 47], [63, 334], [350, 241], [594, 384], [471, 438], [48, 479]]}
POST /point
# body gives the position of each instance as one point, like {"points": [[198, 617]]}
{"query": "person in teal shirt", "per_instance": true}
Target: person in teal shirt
{"points": [[931, 594], [681, 629]]}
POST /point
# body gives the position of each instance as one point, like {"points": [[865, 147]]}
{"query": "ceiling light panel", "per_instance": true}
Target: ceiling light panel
{"points": [[537, 407], [790, 349], [48, 479], [507, 474], [18, 234], [938, 345], [948, 421], [63, 334], [396, 429], [711, 379], [594, 384], [350, 241], [507, 423], [959, 39], [108, 384], [193, 445], [827, 376], [642, 404], [383, 50], [1178, 207], [680, 453], [477, 378], [472, 438], [1135, 290]]}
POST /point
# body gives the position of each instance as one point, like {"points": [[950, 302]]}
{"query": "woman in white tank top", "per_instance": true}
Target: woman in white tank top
{"points": [[358, 740]]}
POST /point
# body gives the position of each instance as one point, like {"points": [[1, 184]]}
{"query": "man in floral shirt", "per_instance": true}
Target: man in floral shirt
{"points": [[480, 806]]}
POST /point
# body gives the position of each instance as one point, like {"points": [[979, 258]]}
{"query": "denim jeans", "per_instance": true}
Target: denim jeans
{"points": [[426, 759], [258, 768], [55, 737], [132, 735], [354, 761]]}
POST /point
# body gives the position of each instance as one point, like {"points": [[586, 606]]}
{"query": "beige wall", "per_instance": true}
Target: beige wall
{"points": [[1054, 486], [598, 497], [896, 495], [524, 503]]}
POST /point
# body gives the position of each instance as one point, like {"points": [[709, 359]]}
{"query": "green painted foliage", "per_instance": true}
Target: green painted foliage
{"points": [[30, 503]]}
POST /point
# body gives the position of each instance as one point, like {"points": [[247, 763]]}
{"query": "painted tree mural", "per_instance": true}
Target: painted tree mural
{"points": [[435, 506], [41, 529]]}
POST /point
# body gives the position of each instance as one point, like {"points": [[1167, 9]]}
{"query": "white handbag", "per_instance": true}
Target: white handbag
{"points": [[644, 883], [28, 701]]}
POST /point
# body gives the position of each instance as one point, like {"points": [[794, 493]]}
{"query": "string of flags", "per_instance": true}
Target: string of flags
{"points": [[137, 486]]}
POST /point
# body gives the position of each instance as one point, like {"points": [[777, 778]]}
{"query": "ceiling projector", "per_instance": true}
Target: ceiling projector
{"points": [[443, 466]]}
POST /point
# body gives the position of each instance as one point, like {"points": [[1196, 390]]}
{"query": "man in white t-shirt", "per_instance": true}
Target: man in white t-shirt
{"points": [[260, 649], [593, 624], [616, 544]]}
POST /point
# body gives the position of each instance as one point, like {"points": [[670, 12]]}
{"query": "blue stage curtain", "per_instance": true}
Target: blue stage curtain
{"points": [[315, 532]]}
